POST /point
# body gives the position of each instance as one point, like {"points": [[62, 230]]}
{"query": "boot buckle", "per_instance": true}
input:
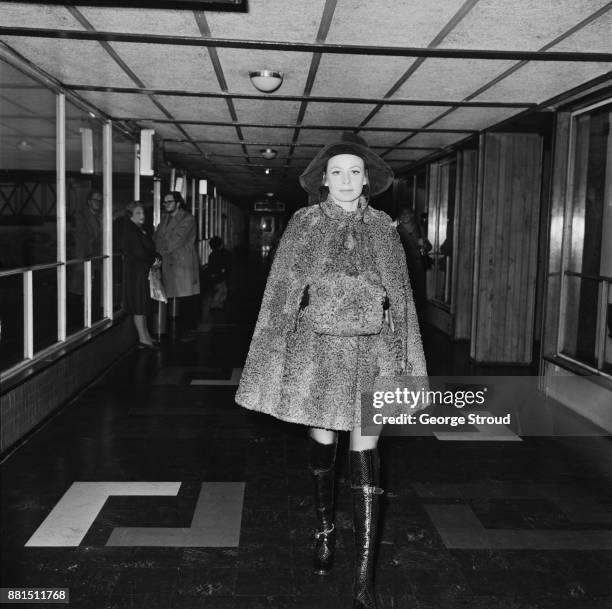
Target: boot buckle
{"points": [[325, 532]]}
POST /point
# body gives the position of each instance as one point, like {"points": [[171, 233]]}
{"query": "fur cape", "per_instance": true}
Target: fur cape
{"points": [[297, 375]]}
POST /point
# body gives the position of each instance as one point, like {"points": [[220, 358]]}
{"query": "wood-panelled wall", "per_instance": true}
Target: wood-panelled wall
{"points": [[508, 213], [463, 254]]}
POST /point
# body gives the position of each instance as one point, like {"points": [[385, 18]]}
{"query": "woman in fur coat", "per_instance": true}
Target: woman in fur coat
{"points": [[337, 314]]}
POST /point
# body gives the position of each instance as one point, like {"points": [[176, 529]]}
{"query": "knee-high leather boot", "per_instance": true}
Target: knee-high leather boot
{"points": [[365, 480], [322, 468]]}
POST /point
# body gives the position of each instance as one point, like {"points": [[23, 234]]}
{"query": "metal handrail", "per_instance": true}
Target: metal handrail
{"points": [[586, 276], [50, 265], [605, 296]]}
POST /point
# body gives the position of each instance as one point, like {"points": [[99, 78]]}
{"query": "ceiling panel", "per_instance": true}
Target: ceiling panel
{"points": [[282, 153], [82, 62], [189, 69], [406, 23], [211, 132], [405, 155], [475, 118], [336, 114], [405, 116], [383, 138], [544, 80], [596, 36], [36, 127], [179, 147], [29, 128], [451, 79], [285, 20], [266, 111], [214, 149], [437, 140], [123, 105], [272, 136], [317, 136], [12, 76], [163, 22], [237, 63], [195, 108], [520, 24], [164, 130], [29, 14], [345, 75], [28, 101]]}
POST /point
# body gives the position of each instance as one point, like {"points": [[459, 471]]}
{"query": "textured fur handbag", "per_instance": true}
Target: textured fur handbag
{"points": [[344, 305]]}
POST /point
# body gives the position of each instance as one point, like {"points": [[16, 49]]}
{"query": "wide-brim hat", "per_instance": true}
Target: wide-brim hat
{"points": [[380, 175]]}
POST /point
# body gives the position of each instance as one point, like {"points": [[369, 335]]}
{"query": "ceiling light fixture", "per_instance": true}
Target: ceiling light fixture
{"points": [[24, 146], [268, 153], [266, 81], [269, 194], [268, 171]]}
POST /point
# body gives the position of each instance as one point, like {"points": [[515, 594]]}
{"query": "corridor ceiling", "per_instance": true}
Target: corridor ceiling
{"points": [[412, 77]]}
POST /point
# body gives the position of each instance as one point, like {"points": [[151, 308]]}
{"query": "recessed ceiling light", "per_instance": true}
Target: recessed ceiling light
{"points": [[92, 114], [266, 81], [24, 146], [268, 153], [269, 194], [268, 171]]}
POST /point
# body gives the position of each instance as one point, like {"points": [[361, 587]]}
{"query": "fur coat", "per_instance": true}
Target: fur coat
{"points": [[175, 239], [297, 375]]}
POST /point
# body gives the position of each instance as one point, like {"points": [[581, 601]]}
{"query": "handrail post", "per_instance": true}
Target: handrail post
{"points": [[107, 221], [87, 294], [28, 316], [60, 168]]}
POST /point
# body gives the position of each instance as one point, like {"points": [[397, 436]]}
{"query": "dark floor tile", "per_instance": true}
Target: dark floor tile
{"points": [[438, 586], [200, 583], [199, 558], [264, 582], [265, 602], [157, 583]]}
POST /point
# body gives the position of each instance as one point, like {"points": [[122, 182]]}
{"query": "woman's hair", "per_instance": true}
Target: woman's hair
{"points": [[178, 197], [131, 207], [324, 191]]}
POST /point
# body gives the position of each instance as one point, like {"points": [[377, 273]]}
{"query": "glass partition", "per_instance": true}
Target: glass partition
{"points": [[123, 193], [44, 287], [11, 318], [83, 213], [586, 331], [440, 234], [28, 230]]}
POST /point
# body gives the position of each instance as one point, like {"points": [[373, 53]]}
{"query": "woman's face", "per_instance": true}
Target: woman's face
{"points": [[138, 216], [345, 177]]}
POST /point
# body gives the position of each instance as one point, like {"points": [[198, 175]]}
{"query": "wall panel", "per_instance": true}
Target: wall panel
{"points": [[507, 256]]}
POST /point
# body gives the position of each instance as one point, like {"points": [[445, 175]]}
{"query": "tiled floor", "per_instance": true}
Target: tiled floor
{"points": [[156, 458]]}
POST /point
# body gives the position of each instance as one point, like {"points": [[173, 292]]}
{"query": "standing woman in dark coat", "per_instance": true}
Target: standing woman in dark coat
{"points": [[337, 314], [139, 255]]}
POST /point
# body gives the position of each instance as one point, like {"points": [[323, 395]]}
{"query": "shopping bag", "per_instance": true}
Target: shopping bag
{"points": [[158, 292]]}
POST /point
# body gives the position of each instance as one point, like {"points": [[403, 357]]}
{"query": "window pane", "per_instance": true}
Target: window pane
{"points": [[28, 233], [11, 317], [83, 206], [581, 319], [74, 298], [44, 283], [123, 193], [97, 294], [441, 235], [586, 334]]}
